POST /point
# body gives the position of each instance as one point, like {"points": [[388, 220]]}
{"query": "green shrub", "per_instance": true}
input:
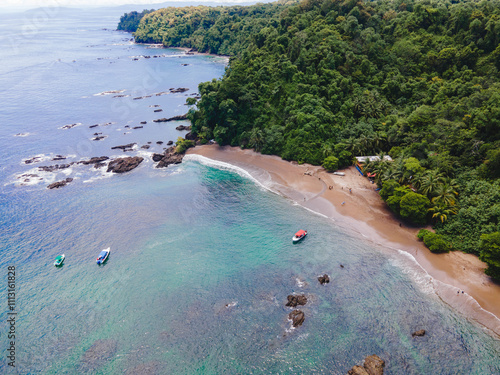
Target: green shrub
{"points": [[182, 145], [433, 241], [331, 163]]}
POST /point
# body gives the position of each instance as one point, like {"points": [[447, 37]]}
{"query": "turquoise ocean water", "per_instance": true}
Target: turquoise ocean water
{"points": [[201, 256]]}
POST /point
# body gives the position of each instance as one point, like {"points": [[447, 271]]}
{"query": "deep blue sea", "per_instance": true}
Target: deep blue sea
{"points": [[201, 257]]}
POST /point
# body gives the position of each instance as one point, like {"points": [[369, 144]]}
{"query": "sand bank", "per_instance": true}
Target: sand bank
{"points": [[352, 202]]}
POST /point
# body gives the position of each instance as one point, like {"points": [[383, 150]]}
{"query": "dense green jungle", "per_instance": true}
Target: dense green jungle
{"points": [[322, 81]]}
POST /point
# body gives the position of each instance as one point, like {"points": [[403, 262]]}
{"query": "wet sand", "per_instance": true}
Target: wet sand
{"points": [[352, 202]]}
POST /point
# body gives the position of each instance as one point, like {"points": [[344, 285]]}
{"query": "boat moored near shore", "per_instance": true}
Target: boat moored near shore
{"points": [[299, 235]]}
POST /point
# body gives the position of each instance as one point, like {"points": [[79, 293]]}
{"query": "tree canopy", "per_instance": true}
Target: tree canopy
{"points": [[316, 79]]}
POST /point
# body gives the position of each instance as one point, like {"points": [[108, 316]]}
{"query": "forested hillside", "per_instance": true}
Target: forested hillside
{"points": [[323, 81], [130, 21]]}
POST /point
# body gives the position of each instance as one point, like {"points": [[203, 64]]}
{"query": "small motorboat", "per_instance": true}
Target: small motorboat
{"points": [[103, 255], [299, 235], [59, 260]]}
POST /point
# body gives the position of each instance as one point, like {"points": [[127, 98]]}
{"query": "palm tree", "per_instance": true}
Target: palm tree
{"points": [[430, 182], [442, 212], [446, 194], [256, 139]]}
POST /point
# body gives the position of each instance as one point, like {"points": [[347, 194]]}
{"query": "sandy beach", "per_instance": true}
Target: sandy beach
{"points": [[352, 203]]}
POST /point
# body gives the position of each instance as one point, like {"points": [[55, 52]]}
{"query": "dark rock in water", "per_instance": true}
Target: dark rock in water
{"points": [[98, 138], [124, 147], [297, 317], [94, 160], [93, 126], [127, 126], [341, 266], [98, 354], [169, 143], [58, 184], [420, 332], [180, 89], [373, 365], [159, 142], [144, 122], [145, 147], [167, 158], [325, 279], [36, 159], [58, 157], [293, 301], [99, 165], [122, 165], [183, 127], [137, 127], [158, 110], [52, 168], [175, 118]]}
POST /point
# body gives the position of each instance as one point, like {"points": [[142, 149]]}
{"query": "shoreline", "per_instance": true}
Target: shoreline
{"points": [[361, 211]]}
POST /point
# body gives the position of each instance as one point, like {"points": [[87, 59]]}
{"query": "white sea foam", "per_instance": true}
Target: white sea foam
{"points": [[23, 134], [109, 92], [409, 266], [226, 166]]}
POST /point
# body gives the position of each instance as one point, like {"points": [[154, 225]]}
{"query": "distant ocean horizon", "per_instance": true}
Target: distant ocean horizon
{"points": [[201, 259]]}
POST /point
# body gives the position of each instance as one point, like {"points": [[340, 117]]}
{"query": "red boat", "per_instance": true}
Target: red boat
{"points": [[299, 235]]}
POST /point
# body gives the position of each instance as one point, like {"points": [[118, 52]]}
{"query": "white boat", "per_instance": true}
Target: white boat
{"points": [[103, 255], [299, 235], [339, 173]]}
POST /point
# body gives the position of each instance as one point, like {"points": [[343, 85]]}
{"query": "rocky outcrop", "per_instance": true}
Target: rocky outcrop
{"points": [[373, 365], [170, 143], [175, 118], [297, 317], [420, 332], [122, 165], [183, 127], [52, 168], [325, 279], [58, 184], [124, 147], [94, 160], [178, 90], [167, 158], [58, 157], [293, 301], [98, 354]]}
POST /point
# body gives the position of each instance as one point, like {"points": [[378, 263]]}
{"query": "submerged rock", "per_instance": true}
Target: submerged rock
{"points": [[98, 354], [293, 301], [373, 365], [420, 332], [122, 165], [150, 368], [325, 279]]}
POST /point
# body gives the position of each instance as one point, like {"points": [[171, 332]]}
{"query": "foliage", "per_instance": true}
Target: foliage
{"points": [[414, 206], [182, 145], [489, 247], [331, 163], [316, 79], [130, 21], [433, 241]]}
